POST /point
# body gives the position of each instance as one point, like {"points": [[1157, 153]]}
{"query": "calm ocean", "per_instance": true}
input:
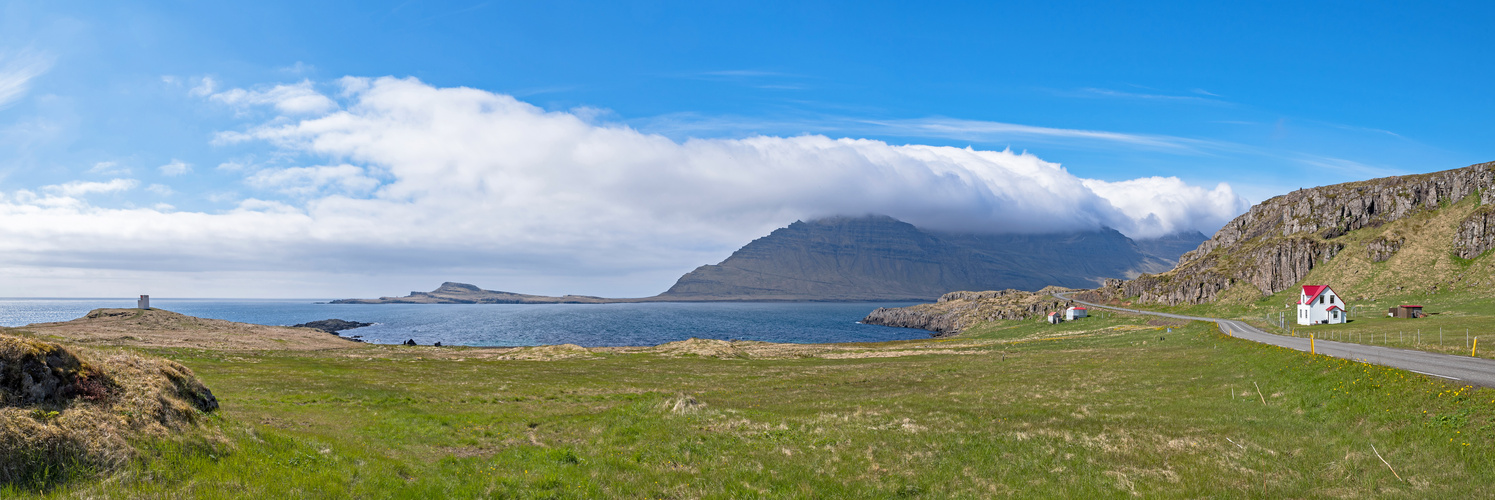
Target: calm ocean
{"points": [[590, 325]]}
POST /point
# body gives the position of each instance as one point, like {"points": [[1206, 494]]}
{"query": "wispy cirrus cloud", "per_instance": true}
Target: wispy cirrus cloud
{"points": [[1350, 168], [1105, 93], [991, 131], [979, 131], [17, 70]]}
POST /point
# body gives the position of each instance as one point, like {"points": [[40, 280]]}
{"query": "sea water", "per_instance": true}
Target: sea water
{"points": [[590, 325]]}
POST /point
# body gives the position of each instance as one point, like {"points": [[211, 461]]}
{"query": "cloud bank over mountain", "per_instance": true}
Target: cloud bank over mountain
{"points": [[403, 176]]}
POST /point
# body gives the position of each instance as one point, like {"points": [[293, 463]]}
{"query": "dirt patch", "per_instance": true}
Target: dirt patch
{"points": [[548, 353], [706, 348]]}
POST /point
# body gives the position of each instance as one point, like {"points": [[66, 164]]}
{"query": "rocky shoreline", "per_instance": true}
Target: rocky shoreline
{"points": [[956, 311]]}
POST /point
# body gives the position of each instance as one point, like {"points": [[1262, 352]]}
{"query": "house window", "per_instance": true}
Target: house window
{"points": [[1331, 299], [1321, 299]]}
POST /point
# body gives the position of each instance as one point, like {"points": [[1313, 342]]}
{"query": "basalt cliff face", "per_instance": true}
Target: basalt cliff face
{"points": [[1279, 242], [881, 258]]}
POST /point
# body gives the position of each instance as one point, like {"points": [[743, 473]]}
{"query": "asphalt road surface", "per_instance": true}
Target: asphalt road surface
{"points": [[1461, 369]]}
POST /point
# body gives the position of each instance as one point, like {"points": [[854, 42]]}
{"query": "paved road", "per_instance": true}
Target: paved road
{"points": [[1462, 369]]}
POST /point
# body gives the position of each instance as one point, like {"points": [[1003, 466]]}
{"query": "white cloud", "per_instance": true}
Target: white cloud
{"points": [[108, 168], [80, 188], [205, 87], [468, 179], [303, 181], [299, 98], [16, 72], [160, 189], [1164, 205], [175, 168]]}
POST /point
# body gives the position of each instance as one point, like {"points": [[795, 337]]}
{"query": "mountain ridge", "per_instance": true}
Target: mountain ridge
{"points": [[875, 258]]}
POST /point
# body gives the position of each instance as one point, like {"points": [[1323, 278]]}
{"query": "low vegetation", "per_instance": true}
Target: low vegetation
{"points": [[1100, 407], [66, 413]]}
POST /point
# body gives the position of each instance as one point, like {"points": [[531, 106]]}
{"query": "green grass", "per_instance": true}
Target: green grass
{"points": [[1078, 410]]}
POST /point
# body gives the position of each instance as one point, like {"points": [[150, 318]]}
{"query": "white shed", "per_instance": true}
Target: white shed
{"points": [[1075, 312]]}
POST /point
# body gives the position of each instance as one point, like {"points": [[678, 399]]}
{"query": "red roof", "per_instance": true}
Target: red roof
{"points": [[1082, 308], [1333, 307], [1313, 291]]}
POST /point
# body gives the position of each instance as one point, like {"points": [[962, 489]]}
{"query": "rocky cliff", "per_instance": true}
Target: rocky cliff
{"points": [[881, 258], [1280, 241]]}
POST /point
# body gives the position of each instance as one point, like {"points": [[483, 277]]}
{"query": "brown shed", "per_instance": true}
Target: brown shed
{"points": [[1405, 312]]}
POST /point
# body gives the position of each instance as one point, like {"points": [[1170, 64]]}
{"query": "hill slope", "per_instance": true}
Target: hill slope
{"points": [[1381, 236]]}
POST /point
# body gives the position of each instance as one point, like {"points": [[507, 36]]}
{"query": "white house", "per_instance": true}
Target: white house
{"points": [[1074, 312], [1055, 318], [1319, 305]]}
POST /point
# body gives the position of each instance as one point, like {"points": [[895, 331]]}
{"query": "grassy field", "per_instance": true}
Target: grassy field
{"points": [[1454, 321], [1094, 408]]}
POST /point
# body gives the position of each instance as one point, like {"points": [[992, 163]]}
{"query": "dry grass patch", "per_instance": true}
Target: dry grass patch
{"points": [[65, 412], [162, 328]]}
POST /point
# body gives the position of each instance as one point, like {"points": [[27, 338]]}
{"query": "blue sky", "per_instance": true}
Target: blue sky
{"points": [[178, 113]]}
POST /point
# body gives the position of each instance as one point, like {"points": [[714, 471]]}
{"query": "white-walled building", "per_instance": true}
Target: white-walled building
{"points": [[1074, 312], [1318, 304]]}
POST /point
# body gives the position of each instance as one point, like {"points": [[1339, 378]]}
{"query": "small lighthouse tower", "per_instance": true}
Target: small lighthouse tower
{"points": [[144, 302]]}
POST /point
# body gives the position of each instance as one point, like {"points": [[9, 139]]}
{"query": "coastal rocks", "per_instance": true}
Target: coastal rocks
{"points": [[332, 325], [1477, 233], [1381, 249], [956, 311], [409, 342]]}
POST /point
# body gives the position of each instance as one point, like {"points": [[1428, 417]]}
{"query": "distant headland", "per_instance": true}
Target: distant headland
{"points": [[877, 258]]}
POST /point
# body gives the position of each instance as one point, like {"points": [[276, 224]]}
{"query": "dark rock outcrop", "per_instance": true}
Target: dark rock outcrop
{"points": [[332, 325], [34, 372], [1477, 234], [1381, 249], [1277, 242]]}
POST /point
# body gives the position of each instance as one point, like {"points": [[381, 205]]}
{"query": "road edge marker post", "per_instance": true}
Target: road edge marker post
{"points": [[1312, 348], [1474, 350]]}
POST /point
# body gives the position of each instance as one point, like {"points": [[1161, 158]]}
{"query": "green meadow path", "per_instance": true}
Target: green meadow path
{"points": [[1465, 369]]}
